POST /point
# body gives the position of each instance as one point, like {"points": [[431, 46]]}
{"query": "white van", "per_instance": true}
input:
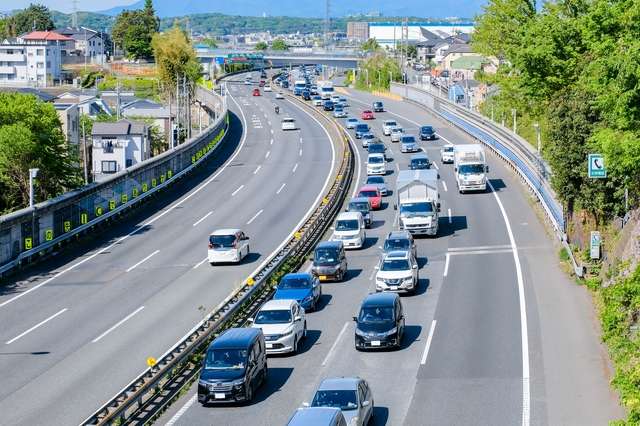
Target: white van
{"points": [[350, 229], [227, 246], [288, 124]]}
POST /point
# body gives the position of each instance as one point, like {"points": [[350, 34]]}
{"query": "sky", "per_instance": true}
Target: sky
{"points": [[64, 5]]}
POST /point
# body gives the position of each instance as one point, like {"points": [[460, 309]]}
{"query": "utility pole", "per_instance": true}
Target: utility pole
{"points": [[177, 138], [118, 99], [515, 123], [86, 49], [74, 16], [326, 24], [84, 154], [33, 173]]}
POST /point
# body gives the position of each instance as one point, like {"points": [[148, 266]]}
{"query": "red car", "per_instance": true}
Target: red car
{"points": [[256, 92], [261, 84], [367, 115], [373, 194]]}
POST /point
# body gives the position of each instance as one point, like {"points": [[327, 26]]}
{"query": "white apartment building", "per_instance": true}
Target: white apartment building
{"points": [[117, 146], [33, 59]]}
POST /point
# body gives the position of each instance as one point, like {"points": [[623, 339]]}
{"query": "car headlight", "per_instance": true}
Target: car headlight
{"points": [[354, 421], [408, 279], [287, 333], [238, 383], [307, 299], [390, 332], [360, 333]]}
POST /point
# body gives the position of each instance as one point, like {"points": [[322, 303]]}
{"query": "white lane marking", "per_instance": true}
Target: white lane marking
{"points": [[373, 272], [526, 395], [181, 411], [281, 188], [269, 123], [118, 324], [295, 168], [255, 172], [335, 344], [447, 258], [300, 152], [150, 221], [205, 216], [444, 185], [472, 248], [271, 141], [200, 263], [271, 131], [450, 218], [142, 261], [237, 190], [397, 167], [436, 166], [24, 333], [423, 361], [358, 161], [267, 155], [255, 217], [300, 140]]}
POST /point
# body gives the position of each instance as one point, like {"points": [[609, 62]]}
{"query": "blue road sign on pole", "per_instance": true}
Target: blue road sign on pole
{"points": [[596, 166]]}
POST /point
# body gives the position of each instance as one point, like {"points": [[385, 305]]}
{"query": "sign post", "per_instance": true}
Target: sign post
{"points": [[596, 166], [596, 240]]}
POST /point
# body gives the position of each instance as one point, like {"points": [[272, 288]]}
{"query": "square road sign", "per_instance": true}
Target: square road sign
{"points": [[596, 166]]}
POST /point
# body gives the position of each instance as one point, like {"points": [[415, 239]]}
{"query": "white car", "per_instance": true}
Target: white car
{"points": [[396, 133], [279, 95], [376, 164], [248, 82], [387, 125], [398, 271], [227, 245], [288, 124], [366, 138], [447, 154], [283, 323], [268, 89], [317, 101], [351, 123], [350, 229]]}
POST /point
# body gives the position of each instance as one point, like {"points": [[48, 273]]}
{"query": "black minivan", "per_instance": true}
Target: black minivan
{"points": [[380, 323], [329, 261], [234, 367]]}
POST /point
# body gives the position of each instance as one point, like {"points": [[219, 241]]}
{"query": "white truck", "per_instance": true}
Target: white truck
{"points": [[325, 89], [470, 167], [418, 201]]}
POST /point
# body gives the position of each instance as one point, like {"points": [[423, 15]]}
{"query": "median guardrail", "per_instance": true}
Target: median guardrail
{"points": [[514, 150], [145, 397], [34, 231]]}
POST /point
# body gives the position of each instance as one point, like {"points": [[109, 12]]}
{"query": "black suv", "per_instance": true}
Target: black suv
{"points": [[380, 323], [427, 133]]}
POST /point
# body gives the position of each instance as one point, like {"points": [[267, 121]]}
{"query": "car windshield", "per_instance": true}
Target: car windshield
{"points": [[448, 149], [294, 283], [396, 244], [391, 123], [362, 128], [288, 120], [326, 256], [376, 147], [368, 136], [342, 399], [415, 209], [347, 225], [375, 314], [420, 162], [359, 206], [222, 241], [376, 160], [352, 120], [278, 316], [223, 359], [396, 130], [368, 194], [408, 139], [375, 179], [471, 169], [377, 104], [394, 265], [427, 129]]}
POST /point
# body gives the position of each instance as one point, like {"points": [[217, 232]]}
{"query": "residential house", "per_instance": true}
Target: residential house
{"points": [[69, 116], [33, 59], [152, 113], [88, 42], [425, 48], [454, 52], [117, 146], [87, 104]]}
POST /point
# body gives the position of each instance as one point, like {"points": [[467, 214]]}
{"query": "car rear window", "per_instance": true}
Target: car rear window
{"points": [[222, 241]]}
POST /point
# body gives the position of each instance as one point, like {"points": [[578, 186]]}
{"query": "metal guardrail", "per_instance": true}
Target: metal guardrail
{"points": [[510, 147], [160, 384], [31, 232]]}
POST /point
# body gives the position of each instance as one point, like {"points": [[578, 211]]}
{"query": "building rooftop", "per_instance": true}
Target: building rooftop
{"points": [[119, 128], [45, 35], [468, 63]]}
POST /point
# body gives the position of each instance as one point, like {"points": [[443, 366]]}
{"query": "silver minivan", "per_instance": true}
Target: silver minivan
{"points": [[317, 416]]}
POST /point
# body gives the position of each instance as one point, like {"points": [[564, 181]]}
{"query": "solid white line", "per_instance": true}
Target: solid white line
{"points": [[205, 216], [450, 218], [237, 190], [335, 344], [36, 326], [281, 188], [428, 345], [118, 324], [200, 263], [295, 168], [149, 222], [526, 395], [444, 185], [181, 411], [255, 172], [267, 154], [447, 257], [255, 217], [143, 260], [358, 160], [300, 152]]}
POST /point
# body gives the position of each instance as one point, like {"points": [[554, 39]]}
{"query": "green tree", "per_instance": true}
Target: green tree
{"points": [[412, 51], [4, 29], [377, 72], [134, 30], [31, 136], [175, 56], [261, 45], [279, 44], [370, 45], [36, 17], [211, 43]]}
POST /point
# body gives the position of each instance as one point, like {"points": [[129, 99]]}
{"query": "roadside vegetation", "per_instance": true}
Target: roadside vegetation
{"points": [[375, 73]]}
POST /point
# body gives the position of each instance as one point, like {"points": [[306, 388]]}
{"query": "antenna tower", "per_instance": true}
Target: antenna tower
{"points": [[74, 15]]}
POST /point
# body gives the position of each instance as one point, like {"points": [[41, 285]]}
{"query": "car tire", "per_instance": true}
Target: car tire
{"points": [[248, 394], [304, 331]]}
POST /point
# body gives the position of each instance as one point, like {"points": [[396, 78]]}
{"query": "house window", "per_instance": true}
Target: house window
{"points": [[109, 167], [40, 52], [129, 162], [107, 145], [40, 65]]}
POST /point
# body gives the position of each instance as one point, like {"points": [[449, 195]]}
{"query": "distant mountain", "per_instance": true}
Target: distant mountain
{"points": [[309, 9]]}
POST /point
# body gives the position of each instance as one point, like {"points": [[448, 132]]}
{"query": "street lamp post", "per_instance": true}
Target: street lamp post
{"points": [[367, 73], [538, 138], [33, 173], [515, 123]]}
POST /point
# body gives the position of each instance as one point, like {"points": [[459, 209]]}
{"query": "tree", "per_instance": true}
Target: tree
{"points": [[279, 44], [261, 45], [134, 30], [370, 45], [211, 43], [412, 51], [4, 29], [31, 136], [36, 17], [175, 57]]}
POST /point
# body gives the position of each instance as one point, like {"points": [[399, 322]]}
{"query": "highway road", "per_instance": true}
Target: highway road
{"points": [[79, 328], [496, 335]]}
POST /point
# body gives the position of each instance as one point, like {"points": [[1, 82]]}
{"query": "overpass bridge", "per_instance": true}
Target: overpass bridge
{"points": [[330, 58]]}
